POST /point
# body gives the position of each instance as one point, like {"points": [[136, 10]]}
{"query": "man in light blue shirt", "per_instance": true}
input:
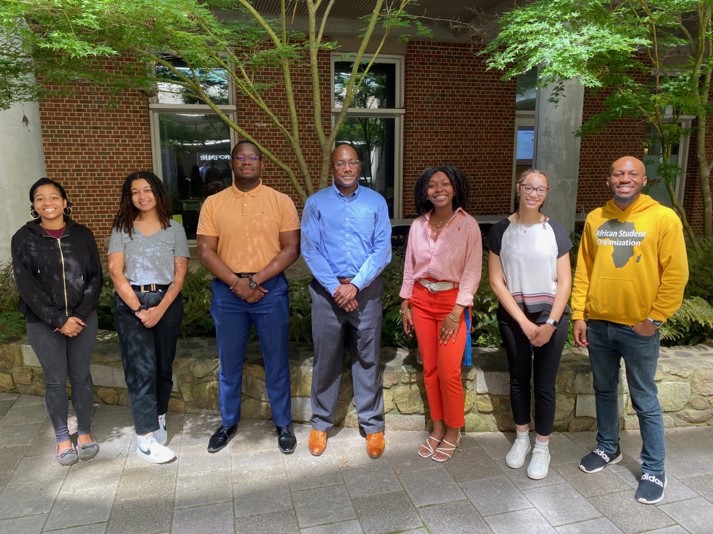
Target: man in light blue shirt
{"points": [[346, 242]]}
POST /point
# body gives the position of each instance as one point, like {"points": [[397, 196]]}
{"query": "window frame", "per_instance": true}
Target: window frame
{"points": [[397, 113]]}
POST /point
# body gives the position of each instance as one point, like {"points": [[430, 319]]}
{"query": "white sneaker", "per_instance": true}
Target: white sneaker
{"points": [[161, 435], [539, 463], [152, 451], [519, 451]]}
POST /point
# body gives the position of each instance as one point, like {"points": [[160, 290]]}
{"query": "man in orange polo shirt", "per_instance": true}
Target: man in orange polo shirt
{"points": [[248, 234]]}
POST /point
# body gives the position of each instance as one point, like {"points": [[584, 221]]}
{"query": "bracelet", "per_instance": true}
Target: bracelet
{"points": [[402, 312], [137, 310], [454, 319]]}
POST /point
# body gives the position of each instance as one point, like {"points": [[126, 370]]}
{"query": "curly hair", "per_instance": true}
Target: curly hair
{"points": [[59, 187], [458, 180], [125, 217]]}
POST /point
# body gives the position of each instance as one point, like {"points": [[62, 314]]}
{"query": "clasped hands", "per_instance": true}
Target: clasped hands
{"points": [[538, 335], [241, 289], [72, 327], [345, 297]]}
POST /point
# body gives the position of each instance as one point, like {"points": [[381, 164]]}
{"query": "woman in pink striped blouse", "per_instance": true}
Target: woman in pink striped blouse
{"points": [[441, 274]]}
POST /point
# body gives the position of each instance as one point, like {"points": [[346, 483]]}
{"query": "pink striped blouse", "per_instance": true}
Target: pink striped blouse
{"points": [[456, 256]]}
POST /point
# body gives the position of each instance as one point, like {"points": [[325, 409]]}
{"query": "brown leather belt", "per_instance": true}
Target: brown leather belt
{"points": [[244, 275]]}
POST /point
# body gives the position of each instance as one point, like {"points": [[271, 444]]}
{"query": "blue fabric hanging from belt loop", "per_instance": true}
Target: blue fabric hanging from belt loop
{"points": [[468, 352]]}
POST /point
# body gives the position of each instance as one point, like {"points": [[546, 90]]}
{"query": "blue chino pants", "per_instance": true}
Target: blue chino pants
{"points": [[233, 319]]}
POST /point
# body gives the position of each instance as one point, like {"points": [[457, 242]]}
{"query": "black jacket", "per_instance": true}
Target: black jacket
{"points": [[56, 278]]}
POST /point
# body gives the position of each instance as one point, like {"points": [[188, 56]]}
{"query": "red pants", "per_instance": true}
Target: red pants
{"points": [[441, 363]]}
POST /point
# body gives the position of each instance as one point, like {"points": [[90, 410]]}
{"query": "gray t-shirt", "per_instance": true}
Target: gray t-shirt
{"points": [[149, 259]]}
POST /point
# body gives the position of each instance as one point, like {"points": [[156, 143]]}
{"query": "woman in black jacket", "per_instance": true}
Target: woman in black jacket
{"points": [[59, 278]]}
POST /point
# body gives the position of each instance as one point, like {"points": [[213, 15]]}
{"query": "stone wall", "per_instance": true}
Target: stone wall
{"points": [[684, 378]]}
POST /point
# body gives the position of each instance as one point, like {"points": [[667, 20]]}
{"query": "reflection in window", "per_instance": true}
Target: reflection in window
{"points": [[378, 91], [656, 185], [526, 95], [374, 141], [195, 151], [214, 82]]}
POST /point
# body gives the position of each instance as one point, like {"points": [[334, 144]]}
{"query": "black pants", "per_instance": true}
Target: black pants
{"points": [[148, 355], [539, 363], [63, 357]]}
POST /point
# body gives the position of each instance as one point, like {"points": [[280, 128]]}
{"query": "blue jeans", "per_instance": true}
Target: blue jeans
{"points": [[234, 319], [608, 344]]}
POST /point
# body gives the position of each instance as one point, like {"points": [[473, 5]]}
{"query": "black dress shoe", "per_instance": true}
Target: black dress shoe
{"points": [[286, 439], [221, 437]]}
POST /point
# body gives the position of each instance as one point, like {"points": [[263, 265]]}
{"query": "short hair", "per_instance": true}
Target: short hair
{"points": [[127, 213], [331, 156], [244, 142], [458, 180]]}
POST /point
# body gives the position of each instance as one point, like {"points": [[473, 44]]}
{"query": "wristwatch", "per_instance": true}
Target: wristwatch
{"points": [[252, 284], [553, 323], [654, 322]]}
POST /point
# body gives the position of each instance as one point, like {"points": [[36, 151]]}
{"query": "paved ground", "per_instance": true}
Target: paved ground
{"points": [[251, 487]]}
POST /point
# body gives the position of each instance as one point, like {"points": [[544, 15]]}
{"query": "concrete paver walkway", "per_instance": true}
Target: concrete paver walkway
{"points": [[251, 487]]}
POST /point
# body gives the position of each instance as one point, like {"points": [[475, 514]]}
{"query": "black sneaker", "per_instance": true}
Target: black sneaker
{"points": [[597, 460], [650, 490]]}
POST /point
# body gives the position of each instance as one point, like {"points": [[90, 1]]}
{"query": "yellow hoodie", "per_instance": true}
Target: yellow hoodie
{"points": [[631, 264]]}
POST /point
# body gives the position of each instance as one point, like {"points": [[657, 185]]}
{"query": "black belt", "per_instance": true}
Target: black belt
{"points": [[244, 275], [150, 288]]}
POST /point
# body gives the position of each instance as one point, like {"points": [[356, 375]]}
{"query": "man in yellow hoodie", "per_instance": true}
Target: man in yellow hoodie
{"points": [[631, 273]]}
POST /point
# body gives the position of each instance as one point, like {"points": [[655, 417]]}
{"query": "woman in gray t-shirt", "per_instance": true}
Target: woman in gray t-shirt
{"points": [[148, 260]]}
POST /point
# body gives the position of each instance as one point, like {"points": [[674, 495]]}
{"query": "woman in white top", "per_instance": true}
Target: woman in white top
{"points": [[148, 260], [531, 276]]}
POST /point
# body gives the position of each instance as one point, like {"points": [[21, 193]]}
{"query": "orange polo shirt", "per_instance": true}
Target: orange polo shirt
{"points": [[248, 225]]}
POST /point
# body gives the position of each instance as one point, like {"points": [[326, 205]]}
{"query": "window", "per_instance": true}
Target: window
{"points": [[656, 186], [525, 99], [374, 124], [191, 145]]}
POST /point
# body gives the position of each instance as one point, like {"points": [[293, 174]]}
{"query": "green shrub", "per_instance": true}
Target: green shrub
{"points": [[12, 322]]}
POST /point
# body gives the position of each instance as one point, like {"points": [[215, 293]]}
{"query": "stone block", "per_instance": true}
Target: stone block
{"points": [[699, 403], [111, 376], [391, 377], [7, 383], [469, 401], [584, 406], [696, 417], [581, 383], [205, 394], [301, 409], [702, 383], [108, 396], [673, 396], [483, 404], [480, 423], [203, 367], [255, 409], [185, 391], [388, 401], [22, 375], [254, 369], [7, 357], [631, 422], [495, 382], [396, 421], [176, 405], [582, 424], [565, 407], [409, 377], [254, 388], [408, 399], [28, 356]]}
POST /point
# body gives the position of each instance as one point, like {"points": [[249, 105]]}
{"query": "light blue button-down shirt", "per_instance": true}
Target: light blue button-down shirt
{"points": [[346, 236]]}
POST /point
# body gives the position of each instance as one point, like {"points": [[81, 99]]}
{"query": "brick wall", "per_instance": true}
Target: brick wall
{"points": [[457, 113], [92, 140]]}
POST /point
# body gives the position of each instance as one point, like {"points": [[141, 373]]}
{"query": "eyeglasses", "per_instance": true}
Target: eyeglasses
{"points": [[252, 158], [351, 163], [528, 189]]}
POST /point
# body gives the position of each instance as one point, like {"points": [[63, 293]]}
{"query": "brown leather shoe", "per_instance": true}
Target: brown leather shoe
{"points": [[317, 442], [375, 445]]}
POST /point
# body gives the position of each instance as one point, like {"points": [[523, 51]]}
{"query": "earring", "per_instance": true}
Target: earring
{"points": [[33, 213], [67, 211]]}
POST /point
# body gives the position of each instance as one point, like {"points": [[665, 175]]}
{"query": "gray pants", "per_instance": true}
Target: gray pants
{"points": [[63, 357], [331, 327]]}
